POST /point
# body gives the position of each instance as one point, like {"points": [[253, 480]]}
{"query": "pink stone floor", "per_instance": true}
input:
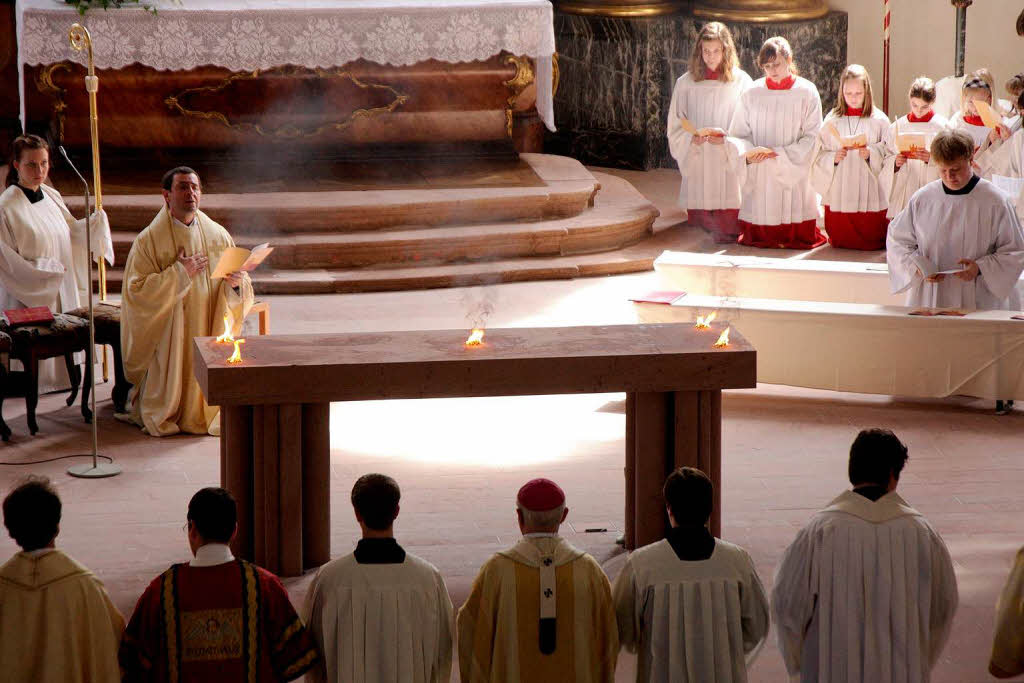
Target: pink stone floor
{"points": [[460, 462]]}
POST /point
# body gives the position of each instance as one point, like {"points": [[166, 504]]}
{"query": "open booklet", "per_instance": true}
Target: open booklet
{"points": [[693, 130], [855, 142], [938, 311], [989, 116], [760, 150], [235, 259], [910, 142]]}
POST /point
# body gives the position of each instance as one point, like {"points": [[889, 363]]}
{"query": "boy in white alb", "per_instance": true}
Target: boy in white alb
{"points": [[704, 100]]}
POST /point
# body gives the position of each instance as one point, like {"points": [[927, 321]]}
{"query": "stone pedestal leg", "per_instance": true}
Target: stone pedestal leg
{"points": [[666, 430], [275, 460]]}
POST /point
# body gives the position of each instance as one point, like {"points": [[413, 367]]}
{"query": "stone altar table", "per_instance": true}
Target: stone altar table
{"points": [[275, 446]]}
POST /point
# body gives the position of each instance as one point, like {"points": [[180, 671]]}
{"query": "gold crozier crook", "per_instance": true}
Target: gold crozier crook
{"points": [[81, 40]]}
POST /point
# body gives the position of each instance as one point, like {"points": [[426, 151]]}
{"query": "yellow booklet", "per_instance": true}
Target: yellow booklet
{"points": [[693, 130], [235, 259], [909, 142], [856, 142], [759, 150], [988, 115]]}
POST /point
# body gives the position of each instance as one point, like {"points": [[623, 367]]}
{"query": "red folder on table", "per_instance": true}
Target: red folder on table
{"points": [[38, 315]]}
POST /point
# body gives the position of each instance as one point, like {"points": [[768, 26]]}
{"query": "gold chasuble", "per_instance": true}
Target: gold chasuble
{"points": [[57, 624], [509, 630], [162, 310]]}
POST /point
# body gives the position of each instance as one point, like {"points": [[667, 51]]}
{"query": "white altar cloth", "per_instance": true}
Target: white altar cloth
{"points": [[762, 277], [244, 35], [865, 348]]}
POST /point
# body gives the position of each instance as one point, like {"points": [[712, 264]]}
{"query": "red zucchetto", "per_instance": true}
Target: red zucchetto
{"points": [[540, 495]]}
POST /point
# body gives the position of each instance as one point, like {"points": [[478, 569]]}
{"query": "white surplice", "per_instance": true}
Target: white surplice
{"points": [[691, 622], [900, 185], [381, 623], [777, 191], [938, 229], [852, 185], [708, 171], [43, 261], [977, 133], [866, 593]]}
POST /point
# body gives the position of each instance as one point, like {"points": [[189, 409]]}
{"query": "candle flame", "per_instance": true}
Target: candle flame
{"points": [[236, 357], [704, 322], [476, 337], [723, 339], [227, 337]]}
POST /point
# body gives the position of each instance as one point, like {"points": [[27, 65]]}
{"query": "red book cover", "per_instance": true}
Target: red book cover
{"points": [[658, 297], [39, 315]]}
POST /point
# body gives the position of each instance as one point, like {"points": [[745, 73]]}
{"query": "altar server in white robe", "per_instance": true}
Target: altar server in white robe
{"points": [[847, 170], [380, 614], [866, 593], [43, 259], [541, 610], [777, 123], [168, 299], [969, 120], [692, 605], [706, 97], [904, 173], [959, 222]]}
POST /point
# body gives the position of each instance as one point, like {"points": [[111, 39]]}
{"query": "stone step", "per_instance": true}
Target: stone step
{"points": [[567, 189]]}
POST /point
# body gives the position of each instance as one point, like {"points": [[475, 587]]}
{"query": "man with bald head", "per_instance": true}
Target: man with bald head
{"points": [[541, 610]]}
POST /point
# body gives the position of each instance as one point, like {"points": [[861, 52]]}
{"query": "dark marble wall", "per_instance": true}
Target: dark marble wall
{"points": [[10, 107], [617, 76]]}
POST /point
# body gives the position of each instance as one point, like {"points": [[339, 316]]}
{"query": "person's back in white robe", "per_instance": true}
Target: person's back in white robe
{"points": [[901, 184], [865, 594], [381, 623], [697, 621], [778, 208], [937, 229], [708, 172]]}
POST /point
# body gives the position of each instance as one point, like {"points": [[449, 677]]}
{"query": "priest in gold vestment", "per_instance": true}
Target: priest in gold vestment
{"points": [[169, 297]]}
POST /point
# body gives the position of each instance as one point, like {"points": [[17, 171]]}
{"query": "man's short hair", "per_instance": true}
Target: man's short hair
{"points": [[952, 145], [168, 180], [32, 513], [375, 497], [874, 455], [690, 495], [213, 514]]}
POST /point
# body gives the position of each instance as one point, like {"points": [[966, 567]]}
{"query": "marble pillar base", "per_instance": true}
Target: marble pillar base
{"points": [[617, 76]]}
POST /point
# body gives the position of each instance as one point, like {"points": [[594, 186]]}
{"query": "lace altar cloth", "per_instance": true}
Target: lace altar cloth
{"points": [[244, 35]]}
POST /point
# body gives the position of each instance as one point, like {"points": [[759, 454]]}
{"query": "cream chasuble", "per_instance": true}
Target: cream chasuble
{"points": [[708, 171], [162, 310], [500, 631], [43, 262], [1008, 639], [380, 623], [900, 185], [691, 622], [865, 594], [852, 185], [57, 623], [938, 229]]}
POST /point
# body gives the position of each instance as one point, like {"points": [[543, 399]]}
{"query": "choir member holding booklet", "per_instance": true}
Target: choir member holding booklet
{"points": [[848, 163], [777, 123], [908, 165], [703, 103]]}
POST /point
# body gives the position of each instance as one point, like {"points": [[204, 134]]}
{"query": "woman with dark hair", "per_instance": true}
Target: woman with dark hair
{"points": [[43, 259], [703, 102]]}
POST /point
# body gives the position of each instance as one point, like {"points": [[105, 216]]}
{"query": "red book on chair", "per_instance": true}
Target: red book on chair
{"points": [[39, 315]]}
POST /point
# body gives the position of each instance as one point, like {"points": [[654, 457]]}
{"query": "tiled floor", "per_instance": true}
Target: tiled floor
{"points": [[460, 462]]}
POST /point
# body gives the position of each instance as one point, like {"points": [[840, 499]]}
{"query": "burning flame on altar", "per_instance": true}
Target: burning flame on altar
{"points": [[236, 357], [704, 322], [723, 339], [227, 337], [476, 337]]}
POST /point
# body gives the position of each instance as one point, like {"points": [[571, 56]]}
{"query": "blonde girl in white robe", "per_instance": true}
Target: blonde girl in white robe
{"points": [[706, 97], [847, 177], [777, 123], [903, 174], [43, 259], [969, 121]]}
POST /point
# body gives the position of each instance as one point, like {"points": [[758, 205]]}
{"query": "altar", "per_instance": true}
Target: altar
{"points": [[318, 79]]}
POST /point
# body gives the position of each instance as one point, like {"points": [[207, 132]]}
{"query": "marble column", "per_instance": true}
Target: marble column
{"points": [[617, 75]]}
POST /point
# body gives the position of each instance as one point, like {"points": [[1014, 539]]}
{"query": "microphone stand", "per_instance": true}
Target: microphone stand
{"points": [[97, 470]]}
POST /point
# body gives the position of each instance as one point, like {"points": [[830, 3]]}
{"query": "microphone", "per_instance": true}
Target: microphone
{"points": [[64, 153]]}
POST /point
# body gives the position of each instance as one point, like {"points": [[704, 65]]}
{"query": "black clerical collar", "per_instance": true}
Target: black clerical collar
{"points": [[691, 544], [33, 196], [872, 492], [966, 189], [379, 551]]}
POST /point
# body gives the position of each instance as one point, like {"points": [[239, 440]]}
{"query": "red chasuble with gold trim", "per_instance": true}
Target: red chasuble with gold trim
{"points": [[229, 622]]}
